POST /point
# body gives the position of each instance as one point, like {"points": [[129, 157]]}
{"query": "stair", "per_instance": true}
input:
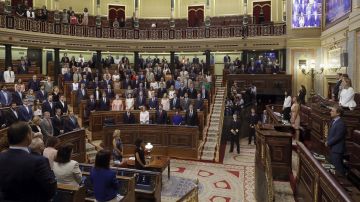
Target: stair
{"points": [[209, 149], [90, 152]]}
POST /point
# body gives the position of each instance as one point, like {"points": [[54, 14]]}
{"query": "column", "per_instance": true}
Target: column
{"points": [[136, 15], [136, 61], [207, 60], [284, 11], [98, 61], [172, 61], [8, 56], [172, 21], [56, 65]]}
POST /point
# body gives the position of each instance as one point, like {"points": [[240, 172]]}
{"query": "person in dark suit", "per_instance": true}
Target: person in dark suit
{"points": [[336, 88], [128, 117], [18, 96], [68, 76], [91, 106], [82, 93], [160, 115], [62, 104], [199, 103], [12, 115], [41, 95], [26, 177], [253, 121], [302, 94], [170, 82], [126, 83], [49, 106], [5, 97], [109, 92], [34, 84], [104, 103], [22, 68], [182, 90], [25, 112], [234, 134], [175, 103], [58, 123], [185, 102], [192, 92], [153, 102], [336, 139], [161, 91], [140, 100], [191, 118], [84, 80], [70, 123]]}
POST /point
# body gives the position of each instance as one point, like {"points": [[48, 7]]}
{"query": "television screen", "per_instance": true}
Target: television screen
{"points": [[336, 9], [306, 13]]}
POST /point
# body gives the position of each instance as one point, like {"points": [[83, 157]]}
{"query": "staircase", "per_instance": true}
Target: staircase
{"points": [[209, 149], [90, 153]]}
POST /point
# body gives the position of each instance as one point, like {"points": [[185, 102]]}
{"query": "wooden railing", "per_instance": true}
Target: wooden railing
{"points": [[251, 30], [268, 175], [192, 195]]}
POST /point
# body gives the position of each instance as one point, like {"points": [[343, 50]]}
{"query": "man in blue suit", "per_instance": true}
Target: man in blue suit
{"points": [[5, 97], [34, 84], [153, 102], [25, 112], [161, 115], [336, 139]]}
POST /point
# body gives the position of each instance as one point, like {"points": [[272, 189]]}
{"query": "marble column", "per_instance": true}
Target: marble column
{"points": [[8, 56]]}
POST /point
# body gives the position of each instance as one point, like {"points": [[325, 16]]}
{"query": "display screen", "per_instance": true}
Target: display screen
{"points": [[306, 13], [336, 9]]}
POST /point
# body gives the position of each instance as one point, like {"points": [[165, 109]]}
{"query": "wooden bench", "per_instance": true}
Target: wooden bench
{"points": [[77, 138], [168, 140], [97, 120], [69, 193], [143, 184]]}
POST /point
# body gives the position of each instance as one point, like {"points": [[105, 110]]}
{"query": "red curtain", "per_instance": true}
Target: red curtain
{"points": [[195, 16], [265, 16], [116, 12], [16, 2]]}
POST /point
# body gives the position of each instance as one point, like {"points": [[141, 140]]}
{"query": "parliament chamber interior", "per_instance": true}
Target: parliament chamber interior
{"points": [[179, 100]]}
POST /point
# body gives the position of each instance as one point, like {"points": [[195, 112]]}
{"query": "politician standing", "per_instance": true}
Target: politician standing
{"points": [[26, 177], [234, 134], [336, 139]]}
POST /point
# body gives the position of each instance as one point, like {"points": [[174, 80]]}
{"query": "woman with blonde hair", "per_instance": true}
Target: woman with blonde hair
{"points": [[21, 84], [117, 104], [295, 116], [117, 146], [347, 95], [35, 127]]}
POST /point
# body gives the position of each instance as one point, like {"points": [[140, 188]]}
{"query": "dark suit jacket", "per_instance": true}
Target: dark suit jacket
{"points": [[58, 124], [153, 104], [90, 106], [139, 103], [68, 77], [336, 137], [81, 96], [24, 115], [3, 100], [17, 99], [104, 106], [191, 120], [199, 104], [70, 125], [22, 69], [128, 119], [64, 108], [35, 85], [234, 125], [109, 95], [192, 93], [181, 92], [161, 92], [126, 83], [46, 107], [10, 117], [161, 118], [41, 96], [26, 177], [175, 105], [170, 83]]}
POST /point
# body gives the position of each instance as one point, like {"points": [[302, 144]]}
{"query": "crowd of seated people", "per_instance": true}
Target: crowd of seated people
{"points": [[152, 85], [261, 66]]}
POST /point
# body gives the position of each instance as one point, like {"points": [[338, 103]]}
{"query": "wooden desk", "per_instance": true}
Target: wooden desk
{"points": [[168, 140], [77, 138], [157, 163], [97, 119], [314, 183]]}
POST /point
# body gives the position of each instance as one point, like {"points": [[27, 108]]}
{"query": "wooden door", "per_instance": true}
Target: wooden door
{"points": [[116, 11], [262, 12], [195, 16]]}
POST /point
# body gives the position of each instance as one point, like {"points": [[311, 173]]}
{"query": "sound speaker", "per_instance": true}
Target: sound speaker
{"points": [[344, 59]]}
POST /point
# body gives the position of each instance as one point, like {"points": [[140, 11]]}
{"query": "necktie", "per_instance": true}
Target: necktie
{"points": [[104, 100], [15, 113], [27, 109], [51, 105], [191, 113], [6, 97]]}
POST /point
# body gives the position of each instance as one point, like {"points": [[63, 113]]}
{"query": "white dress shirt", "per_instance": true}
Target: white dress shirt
{"points": [[347, 98], [287, 102], [9, 77], [144, 117]]}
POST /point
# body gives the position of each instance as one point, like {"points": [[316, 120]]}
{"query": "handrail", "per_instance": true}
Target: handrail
{"points": [[192, 195], [237, 31]]}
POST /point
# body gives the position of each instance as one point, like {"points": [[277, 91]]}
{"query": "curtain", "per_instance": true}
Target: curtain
{"points": [[116, 12], [262, 12], [195, 16]]}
